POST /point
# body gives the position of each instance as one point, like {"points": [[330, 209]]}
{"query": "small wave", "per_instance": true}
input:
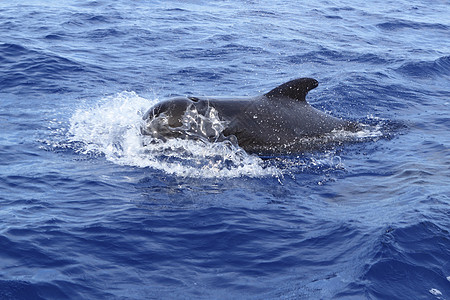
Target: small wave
{"points": [[35, 69], [427, 69], [20, 289], [423, 266], [55, 36], [220, 51], [99, 34], [12, 50], [181, 10], [93, 18], [325, 55], [395, 25]]}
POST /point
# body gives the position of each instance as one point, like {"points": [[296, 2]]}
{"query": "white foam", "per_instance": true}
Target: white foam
{"points": [[435, 292]]}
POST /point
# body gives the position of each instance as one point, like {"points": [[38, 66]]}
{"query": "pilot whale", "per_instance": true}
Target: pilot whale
{"points": [[280, 121]]}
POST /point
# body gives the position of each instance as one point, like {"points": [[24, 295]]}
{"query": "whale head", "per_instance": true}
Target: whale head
{"points": [[172, 109]]}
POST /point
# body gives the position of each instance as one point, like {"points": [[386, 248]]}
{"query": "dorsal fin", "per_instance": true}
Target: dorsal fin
{"points": [[295, 89]]}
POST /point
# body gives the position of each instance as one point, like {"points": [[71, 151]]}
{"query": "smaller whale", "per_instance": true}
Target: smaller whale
{"points": [[278, 122]]}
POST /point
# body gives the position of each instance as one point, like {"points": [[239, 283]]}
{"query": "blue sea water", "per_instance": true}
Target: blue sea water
{"points": [[88, 212]]}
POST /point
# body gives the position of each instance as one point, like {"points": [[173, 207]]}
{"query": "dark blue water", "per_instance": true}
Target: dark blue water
{"points": [[87, 212]]}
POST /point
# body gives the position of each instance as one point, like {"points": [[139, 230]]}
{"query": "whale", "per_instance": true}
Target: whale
{"points": [[280, 121]]}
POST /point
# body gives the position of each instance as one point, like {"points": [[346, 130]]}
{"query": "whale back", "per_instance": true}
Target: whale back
{"points": [[295, 89]]}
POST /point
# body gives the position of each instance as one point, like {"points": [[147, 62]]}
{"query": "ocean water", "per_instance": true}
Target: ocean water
{"points": [[87, 211]]}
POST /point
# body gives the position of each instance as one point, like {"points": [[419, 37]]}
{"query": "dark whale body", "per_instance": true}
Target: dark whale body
{"points": [[280, 121]]}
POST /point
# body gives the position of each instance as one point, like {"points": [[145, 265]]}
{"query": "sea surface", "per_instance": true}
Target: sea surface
{"points": [[88, 211]]}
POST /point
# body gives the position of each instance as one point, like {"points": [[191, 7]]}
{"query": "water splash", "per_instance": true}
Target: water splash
{"points": [[206, 126], [112, 129]]}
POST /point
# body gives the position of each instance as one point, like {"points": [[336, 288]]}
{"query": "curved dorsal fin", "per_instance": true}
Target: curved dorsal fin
{"points": [[295, 89]]}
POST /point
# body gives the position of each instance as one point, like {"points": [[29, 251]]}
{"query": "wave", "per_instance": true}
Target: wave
{"points": [[20, 289], [405, 24], [409, 253], [35, 70], [427, 69], [327, 56]]}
